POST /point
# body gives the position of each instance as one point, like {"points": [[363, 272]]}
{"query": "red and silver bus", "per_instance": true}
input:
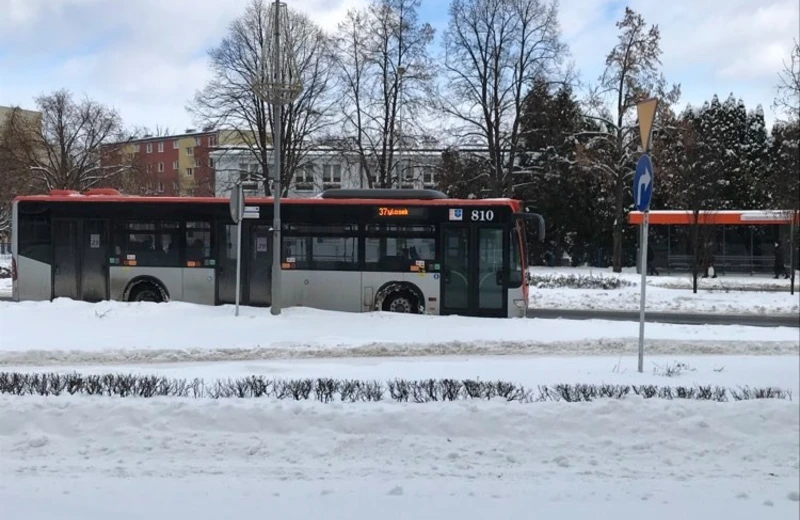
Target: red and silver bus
{"points": [[413, 251]]}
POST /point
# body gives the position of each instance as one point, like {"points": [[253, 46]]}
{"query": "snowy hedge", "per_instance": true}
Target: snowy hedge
{"points": [[573, 281], [347, 390]]}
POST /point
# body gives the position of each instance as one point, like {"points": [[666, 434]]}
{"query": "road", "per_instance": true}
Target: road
{"points": [[681, 318]]}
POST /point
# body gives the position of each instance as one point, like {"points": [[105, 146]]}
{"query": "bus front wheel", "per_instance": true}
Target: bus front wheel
{"points": [[146, 292], [403, 302]]}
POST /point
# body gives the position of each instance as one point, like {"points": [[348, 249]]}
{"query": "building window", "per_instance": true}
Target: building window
{"points": [[331, 173], [175, 144], [161, 187], [197, 162], [149, 148], [189, 151], [174, 165], [304, 180], [189, 172], [427, 175], [149, 168], [197, 141], [210, 162], [212, 140], [160, 167], [161, 146], [175, 188]]}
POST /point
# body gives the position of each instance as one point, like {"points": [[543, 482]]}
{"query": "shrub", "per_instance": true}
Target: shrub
{"points": [[327, 390], [575, 281]]}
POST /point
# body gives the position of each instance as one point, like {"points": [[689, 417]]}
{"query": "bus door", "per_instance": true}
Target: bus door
{"points": [[80, 253], [473, 263], [256, 275]]}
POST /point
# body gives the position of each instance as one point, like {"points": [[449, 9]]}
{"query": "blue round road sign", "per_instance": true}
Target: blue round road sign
{"points": [[643, 183]]}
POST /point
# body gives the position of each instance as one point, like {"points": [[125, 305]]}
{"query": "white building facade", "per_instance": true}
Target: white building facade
{"points": [[323, 169]]}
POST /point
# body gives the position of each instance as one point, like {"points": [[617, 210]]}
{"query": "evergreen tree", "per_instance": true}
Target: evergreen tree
{"points": [[566, 194], [757, 162]]}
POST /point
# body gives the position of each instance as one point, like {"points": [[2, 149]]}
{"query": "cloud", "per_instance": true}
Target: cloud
{"points": [[145, 57], [709, 46]]}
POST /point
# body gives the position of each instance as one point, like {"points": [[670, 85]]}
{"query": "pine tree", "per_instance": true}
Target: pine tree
{"points": [[757, 162]]}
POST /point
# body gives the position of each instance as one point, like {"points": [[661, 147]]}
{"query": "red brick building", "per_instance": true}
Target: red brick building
{"points": [[175, 165]]}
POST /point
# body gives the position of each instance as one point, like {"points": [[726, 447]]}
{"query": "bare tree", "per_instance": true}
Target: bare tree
{"points": [[69, 147], [493, 50], [15, 175], [631, 75], [386, 73], [788, 87], [230, 99], [785, 155]]}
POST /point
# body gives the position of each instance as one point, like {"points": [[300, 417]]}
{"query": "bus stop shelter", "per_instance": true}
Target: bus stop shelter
{"points": [[734, 241]]}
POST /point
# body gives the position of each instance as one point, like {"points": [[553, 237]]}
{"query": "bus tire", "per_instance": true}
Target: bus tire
{"points": [[400, 297], [403, 302], [147, 291]]}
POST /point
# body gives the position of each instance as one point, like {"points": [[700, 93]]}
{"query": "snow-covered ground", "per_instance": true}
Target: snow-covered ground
{"points": [[722, 295], [99, 458], [65, 331], [96, 458]]}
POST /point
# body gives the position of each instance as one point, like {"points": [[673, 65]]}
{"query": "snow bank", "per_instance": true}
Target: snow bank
{"points": [[724, 295], [65, 331], [630, 459]]}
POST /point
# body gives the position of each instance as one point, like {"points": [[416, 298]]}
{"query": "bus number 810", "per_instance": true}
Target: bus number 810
{"points": [[480, 215]]}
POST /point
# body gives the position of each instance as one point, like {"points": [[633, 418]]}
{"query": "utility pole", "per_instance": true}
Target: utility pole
{"points": [[278, 84]]}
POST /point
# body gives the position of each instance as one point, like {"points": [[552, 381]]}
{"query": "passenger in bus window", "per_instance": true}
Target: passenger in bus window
{"points": [[196, 251]]}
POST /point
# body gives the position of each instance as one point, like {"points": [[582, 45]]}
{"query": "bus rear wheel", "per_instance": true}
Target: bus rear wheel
{"points": [[402, 302], [146, 292]]}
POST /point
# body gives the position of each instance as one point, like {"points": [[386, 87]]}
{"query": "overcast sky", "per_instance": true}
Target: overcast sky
{"points": [[147, 57]]}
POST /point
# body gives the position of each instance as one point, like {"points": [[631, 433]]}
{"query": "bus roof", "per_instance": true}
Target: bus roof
{"points": [[103, 195]]}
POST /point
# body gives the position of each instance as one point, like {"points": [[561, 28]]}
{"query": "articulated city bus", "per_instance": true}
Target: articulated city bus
{"points": [[413, 251]]}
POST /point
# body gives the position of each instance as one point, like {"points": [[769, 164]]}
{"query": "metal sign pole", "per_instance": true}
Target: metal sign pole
{"points": [[237, 213], [238, 263], [643, 193], [275, 304], [643, 264]]}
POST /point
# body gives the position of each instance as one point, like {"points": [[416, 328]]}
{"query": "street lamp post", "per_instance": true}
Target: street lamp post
{"points": [[279, 84], [400, 73]]}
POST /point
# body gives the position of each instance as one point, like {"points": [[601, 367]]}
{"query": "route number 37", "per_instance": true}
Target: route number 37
{"points": [[480, 215]]}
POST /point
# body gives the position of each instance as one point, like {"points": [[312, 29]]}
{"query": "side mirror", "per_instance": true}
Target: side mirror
{"points": [[526, 217]]}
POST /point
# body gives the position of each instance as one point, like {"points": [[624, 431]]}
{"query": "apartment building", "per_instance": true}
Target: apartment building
{"points": [[173, 165], [323, 168]]}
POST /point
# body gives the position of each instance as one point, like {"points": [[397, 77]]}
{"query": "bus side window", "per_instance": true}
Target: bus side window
{"points": [[198, 243]]}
